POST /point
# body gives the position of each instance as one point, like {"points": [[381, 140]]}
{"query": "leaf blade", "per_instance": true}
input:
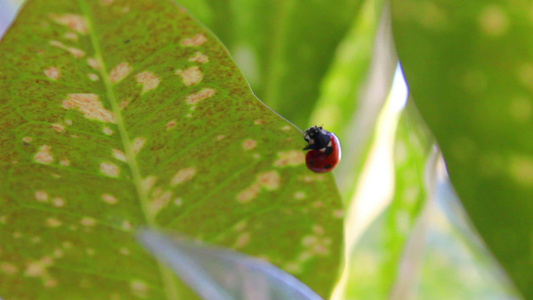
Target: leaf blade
{"points": [[468, 82], [71, 198]]}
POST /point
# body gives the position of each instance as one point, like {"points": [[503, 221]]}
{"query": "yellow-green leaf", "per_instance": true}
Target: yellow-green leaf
{"points": [[118, 114]]}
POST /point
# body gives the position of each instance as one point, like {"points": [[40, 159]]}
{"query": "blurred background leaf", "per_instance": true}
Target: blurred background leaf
{"points": [[470, 70], [284, 48]]}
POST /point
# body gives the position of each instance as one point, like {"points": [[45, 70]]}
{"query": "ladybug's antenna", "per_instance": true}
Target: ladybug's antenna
{"points": [[301, 131]]}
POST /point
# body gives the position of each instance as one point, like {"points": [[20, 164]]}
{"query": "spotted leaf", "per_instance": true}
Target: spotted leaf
{"points": [[470, 69], [119, 114]]}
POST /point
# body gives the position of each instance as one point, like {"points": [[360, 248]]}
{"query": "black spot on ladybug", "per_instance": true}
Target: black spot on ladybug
{"points": [[328, 167], [312, 162], [329, 150]]}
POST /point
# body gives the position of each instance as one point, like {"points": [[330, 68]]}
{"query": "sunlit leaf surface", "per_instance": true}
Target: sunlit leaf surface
{"points": [[118, 114], [217, 273], [355, 88], [376, 260], [470, 71]]}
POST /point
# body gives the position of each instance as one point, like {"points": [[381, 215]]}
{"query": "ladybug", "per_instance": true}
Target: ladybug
{"points": [[325, 149]]}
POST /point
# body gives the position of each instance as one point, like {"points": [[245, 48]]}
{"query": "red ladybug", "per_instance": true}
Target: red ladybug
{"points": [[325, 149]]}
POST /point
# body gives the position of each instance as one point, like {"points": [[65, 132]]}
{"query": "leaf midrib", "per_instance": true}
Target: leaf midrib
{"points": [[166, 274]]}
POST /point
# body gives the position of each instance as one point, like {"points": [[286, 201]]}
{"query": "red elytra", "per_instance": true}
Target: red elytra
{"points": [[325, 150]]}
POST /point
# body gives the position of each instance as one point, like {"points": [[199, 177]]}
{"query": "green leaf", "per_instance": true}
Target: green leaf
{"points": [[118, 114], [469, 68]]}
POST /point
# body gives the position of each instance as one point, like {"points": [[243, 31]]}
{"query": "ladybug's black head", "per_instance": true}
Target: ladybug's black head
{"points": [[317, 138]]}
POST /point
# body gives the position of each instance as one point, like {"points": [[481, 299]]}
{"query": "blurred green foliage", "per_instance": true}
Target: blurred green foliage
{"points": [[469, 67], [283, 47]]}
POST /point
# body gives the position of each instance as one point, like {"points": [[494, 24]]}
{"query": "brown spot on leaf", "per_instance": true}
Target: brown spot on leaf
{"points": [[93, 63], [65, 162], [109, 169], [120, 72], [78, 53], [44, 155], [249, 193], [190, 76], [71, 36], [126, 225], [59, 202], [41, 196], [107, 130], [109, 199], [269, 180], [194, 41], [124, 103], [139, 288], [201, 95], [199, 57], [148, 80], [149, 182], [57, 127], [53, 222], [290, 158], [39, 269], [119, 155], [93, 76], [299, 195], [249, 144], [87, 221], [242, 240], [137, 144], [171, 124], [159, 200], [73, 21], [89, 105], [52, 73], [183, 175], [8, 268]]}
